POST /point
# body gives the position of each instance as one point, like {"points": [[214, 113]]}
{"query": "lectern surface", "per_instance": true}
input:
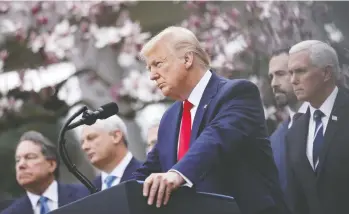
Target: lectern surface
{"points": [[127, 198]]}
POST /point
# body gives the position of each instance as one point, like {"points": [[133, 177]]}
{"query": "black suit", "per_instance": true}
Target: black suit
{"points": [[325, 191], [4, 202]]}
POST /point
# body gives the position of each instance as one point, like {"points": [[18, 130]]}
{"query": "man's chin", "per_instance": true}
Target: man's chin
{"points": [[26, 182], [281, 102]]}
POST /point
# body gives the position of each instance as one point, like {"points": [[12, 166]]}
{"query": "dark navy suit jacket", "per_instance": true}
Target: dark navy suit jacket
{"points": [[229, 151], [277, 140], [67, 193], [131, 167], [4, 203]]}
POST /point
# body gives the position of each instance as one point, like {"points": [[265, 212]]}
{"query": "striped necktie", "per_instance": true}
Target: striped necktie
{"points": [[109, 180], [43, 205], [318, 135]]}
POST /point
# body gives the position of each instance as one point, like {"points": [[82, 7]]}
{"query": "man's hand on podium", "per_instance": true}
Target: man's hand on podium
{"points": [[162, 185]]}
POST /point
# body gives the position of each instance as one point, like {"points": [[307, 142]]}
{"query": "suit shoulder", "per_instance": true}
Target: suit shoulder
{"points": [[170, 109], [241, 84], [136, 162], [75, 188], [16, 206], [238, 87]]}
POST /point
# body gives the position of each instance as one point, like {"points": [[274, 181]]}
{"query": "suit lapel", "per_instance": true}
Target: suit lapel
{"points": [[25, 206], [333, 125], [98, 182], [172, 136], [299, 137], [210, 90], [131, 167]]}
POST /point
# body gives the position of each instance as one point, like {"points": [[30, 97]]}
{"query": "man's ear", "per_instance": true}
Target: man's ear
{"points": [[117, 136], [328, 73], [53, 166], [188, 60]]}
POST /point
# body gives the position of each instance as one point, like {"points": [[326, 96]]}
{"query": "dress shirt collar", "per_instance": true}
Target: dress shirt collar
{"points": [[327, 106], [196, 94], [302, 109], [118, 171], [51, 193]]}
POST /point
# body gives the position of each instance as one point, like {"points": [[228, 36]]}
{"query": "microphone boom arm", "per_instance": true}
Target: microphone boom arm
{"points": [[64, 154]]}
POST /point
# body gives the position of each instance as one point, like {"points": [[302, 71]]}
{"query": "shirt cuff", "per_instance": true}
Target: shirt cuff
{"points": [[188, 182]]}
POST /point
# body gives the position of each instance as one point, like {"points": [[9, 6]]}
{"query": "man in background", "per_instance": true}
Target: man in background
{"points": [[317, 143], [280, 81], [37, 172], [152, 136], [105, 144]]}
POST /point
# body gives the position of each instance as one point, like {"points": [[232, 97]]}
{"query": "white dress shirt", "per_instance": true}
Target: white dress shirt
{"points": [[194, 98], [326, 108], [302, 109], [118, 171], [51, 193]]}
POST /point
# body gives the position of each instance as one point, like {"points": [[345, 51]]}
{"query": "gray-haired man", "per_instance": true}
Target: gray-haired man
{"points": [[317, 143], [105, 144]]}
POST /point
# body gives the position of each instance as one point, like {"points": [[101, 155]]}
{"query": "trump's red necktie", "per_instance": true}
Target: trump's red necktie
{"points": [[184, 137]]}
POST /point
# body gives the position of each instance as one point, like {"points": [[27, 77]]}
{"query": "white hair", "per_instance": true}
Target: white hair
{"points": [[149, 117], [113, 123], [320, 53]]}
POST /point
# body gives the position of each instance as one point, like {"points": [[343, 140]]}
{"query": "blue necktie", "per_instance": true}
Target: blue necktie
{"points": [[319, 136], [43, 205], [109, 180]]}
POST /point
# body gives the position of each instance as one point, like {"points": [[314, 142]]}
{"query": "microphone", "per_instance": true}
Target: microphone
{"points": [[89, 117]]}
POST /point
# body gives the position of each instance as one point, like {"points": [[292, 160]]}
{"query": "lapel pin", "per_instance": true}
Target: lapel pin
{"points": [[205, 106], [334, 118]]}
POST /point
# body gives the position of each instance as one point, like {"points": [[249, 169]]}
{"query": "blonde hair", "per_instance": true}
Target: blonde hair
{"points": [[178, 39]]}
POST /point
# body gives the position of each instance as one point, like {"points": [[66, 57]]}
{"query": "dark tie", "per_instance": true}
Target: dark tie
{"points": [[43, 205], [319, 136], [185, 132]]}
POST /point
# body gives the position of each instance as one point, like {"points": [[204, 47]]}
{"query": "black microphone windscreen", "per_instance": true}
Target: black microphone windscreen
{"points": [[108, 110]]}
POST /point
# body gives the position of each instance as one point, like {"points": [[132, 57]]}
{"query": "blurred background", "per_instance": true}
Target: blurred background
{"points": [[58, 56]]}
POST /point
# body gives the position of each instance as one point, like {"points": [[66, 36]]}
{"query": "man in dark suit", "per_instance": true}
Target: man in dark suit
{"points": [[317, 144], [36, 172], [280, 81], [5, 201], [213, 138], [105, 144]]}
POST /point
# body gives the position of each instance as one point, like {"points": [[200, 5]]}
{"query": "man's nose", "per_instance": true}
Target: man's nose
{"points": [[274, 82], [153, 75], [294, 79], [21, 164], [84, 146]]}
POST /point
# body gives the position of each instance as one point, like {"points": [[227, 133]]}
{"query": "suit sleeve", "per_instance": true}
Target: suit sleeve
{"points": [[294, 194], [239, 116], [151, 165]]}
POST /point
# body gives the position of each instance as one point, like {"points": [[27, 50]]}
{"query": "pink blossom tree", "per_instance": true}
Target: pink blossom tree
{"points": [[240, 36], [34, 35]]}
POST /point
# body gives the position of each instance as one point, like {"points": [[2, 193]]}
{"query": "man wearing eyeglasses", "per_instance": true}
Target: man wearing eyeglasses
{"points": [[37, 172]]}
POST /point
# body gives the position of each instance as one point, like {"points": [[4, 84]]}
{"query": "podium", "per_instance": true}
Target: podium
{"points": [[127, 198]]}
